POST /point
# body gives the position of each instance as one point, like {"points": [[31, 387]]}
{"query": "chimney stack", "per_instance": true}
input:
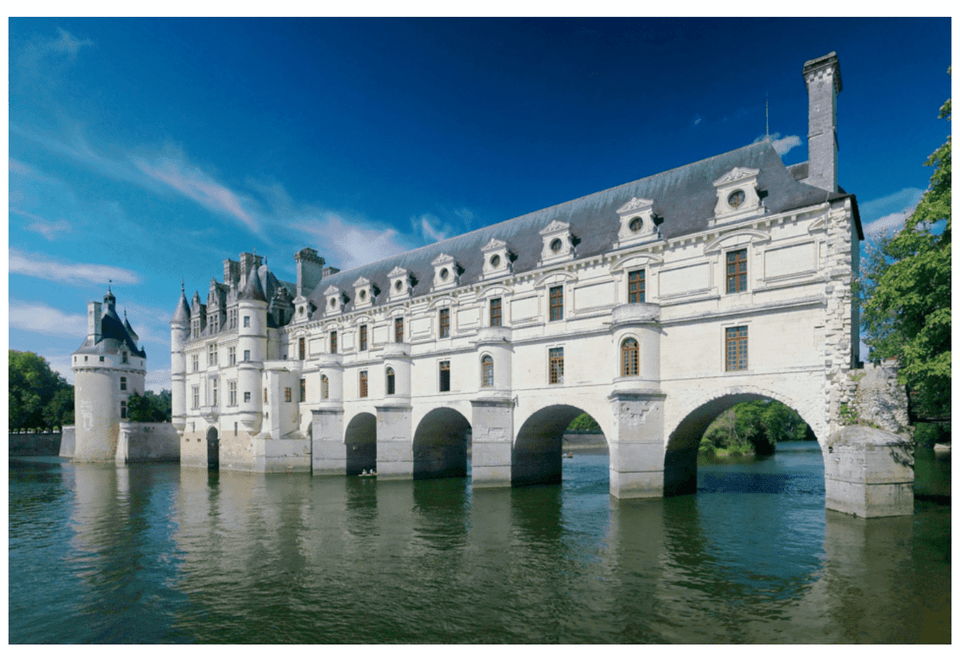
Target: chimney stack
{"points": [[93, 321], [822, 76]]}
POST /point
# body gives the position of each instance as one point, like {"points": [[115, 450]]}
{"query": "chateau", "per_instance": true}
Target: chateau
{"points": [[653, 306]]}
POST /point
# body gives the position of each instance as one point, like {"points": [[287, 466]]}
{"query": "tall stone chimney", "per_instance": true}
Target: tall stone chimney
{"points": [[309, 270], [93, 321], [823, 85]]}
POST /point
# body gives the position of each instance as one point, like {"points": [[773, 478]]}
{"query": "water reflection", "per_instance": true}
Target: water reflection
{"points": [[152, 553]]}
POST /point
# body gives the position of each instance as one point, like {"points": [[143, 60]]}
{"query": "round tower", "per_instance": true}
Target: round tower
{"points": [[251, 351], [108, 368], [179, 328]]}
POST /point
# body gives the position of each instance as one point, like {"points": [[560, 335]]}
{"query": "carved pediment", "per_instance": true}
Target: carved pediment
{"points": [[555, 226], [332, 291], [493, 244], [396, 272], [635, 205], [361, 281], [736, 174], [442, 259]]}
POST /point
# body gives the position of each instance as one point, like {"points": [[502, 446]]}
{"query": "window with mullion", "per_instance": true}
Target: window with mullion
{"points": [[630, 358], [444, 323], [556, 303], [496, 312], [736, 348], [363, 338], [736, 271], [363, 383], [398, 330], [556, 365], [637, 286]]}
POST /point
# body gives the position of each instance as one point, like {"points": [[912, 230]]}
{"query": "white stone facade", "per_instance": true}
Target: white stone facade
{"points": [[652, 306]]}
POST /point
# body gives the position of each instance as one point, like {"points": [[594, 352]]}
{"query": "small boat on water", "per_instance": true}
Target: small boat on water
{"points": [[369, 473], [568, 454]]}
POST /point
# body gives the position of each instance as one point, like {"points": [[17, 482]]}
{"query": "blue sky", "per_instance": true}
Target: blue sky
{"points": [[150, 150]]}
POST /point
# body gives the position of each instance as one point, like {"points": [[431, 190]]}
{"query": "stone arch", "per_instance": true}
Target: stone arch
{"points": [[537, 450], [683, 441], [360, 440], [213, 449], [440, 444]]}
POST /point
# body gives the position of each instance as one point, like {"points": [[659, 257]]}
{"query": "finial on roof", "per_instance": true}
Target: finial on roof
{"points": [[181, 286]]}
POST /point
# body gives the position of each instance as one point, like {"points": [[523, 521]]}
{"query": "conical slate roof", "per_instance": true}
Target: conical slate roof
{"points": [[182, 313], [254, 289]]}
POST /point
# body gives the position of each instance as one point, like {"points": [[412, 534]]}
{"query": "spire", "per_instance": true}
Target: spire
{"points": [[129, 328], [254, 288], [182, 313]]}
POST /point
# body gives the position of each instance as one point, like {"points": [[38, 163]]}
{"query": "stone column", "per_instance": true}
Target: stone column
{"points": [[868, 473], [394, 443], [636, 445], [329, 454], [492, 442]]}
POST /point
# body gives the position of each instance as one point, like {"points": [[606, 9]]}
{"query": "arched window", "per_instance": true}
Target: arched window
{"points": [[391, 382], [486, 371], [629, 358], [324, 387]]}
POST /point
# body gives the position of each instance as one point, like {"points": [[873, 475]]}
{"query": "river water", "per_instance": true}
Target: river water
{"points": [[156, 554]]}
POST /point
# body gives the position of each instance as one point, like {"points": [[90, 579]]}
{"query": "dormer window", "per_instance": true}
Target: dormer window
{"points": [[558, 244], [737, 195], [401, 283], [445, 272], [364, 292], [333, 301], [637, 223], [496, 259]]}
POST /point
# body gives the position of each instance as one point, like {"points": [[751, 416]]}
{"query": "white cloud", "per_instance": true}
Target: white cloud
{"points": [[781, 144], [68, 43], [157, 380], [48, 268], [350, 243], [889, 213], [697, 119], [42, 318], [887, 224], [425, 226]]}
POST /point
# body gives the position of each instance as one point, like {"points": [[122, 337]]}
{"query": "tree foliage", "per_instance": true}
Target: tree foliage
{"points": [[39, 398], [150, 407], [754, 428], [905, 291], [583, 422]]}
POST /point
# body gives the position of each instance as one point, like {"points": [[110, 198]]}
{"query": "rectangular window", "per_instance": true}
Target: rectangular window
{"points": [[303, 390], [213, 391], [556, 365], [265, 396], [363, 338], [246, 397], [287, 394], [637, 286], [195, 361], [398, 330], [126, 358], [736, 271], [324, 387], [444, 323], [246, 355], [556, 303], [333, 342], [496, 313], [444, 376], [486, 371], [232, 355], [196, 397], [212, 355], [363, 383], [246, 321], [123, 383], [737, 348], [232, 392], [303, 348], [123, 409]]}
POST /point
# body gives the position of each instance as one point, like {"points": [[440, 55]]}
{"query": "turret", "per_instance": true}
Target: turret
{"points": [[179, 330], [251, 350]]}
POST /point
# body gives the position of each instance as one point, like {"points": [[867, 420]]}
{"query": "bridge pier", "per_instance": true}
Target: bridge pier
{"points": [[492, 443], [329, 453], [394, 442], [636, 445]]}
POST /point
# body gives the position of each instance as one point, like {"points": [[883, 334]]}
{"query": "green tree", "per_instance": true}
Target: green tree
{"points": [[905, 291], [583, 422], [753, 428], [149, 407], [39, 398]]}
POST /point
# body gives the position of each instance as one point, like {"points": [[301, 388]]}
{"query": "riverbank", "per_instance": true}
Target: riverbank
{"points": [[21, 443]]}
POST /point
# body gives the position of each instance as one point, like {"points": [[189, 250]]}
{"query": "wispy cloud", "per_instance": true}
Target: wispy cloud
{"points": [[51, 230], [48, 268], [429, 228], [889, 213], [697, 119], [351, 242], [194, 183], [42, 318], [68, 43], [782, 144]]}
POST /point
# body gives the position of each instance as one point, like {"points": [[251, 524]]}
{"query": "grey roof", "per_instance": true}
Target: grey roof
{"points": [[113, 333], [684, 200], [254, 289], [182, 313]]}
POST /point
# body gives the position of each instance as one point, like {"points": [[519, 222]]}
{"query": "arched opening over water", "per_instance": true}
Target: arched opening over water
{"points": [[213, 449], [360, 439], [683, 446], [537, 456], [440, 444]]}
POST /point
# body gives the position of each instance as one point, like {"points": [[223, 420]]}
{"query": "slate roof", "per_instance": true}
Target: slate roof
{"points": [[113, 333], [684, 200]]}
